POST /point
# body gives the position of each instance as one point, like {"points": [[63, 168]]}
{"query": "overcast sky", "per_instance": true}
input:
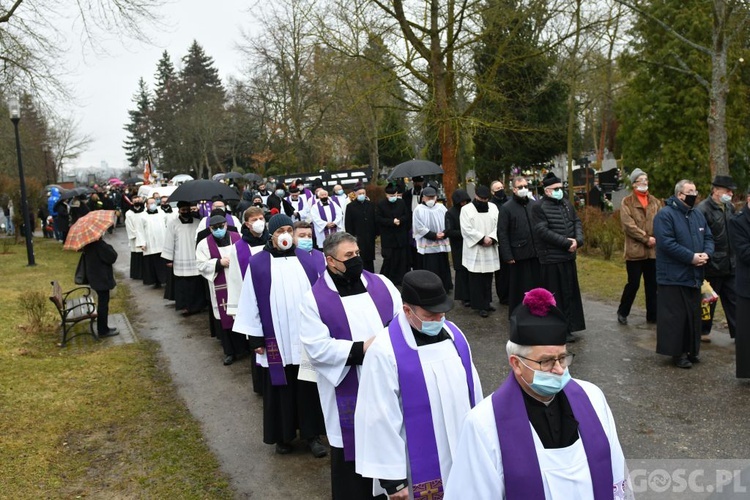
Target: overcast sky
{"points": [[105, 85]]}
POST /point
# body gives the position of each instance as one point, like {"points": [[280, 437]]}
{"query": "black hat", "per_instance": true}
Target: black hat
{"points": [[429, 191], [537, 321], [459, 196], [482, 192], [358, 186], [391, 188], [182, 204], [724, 181], [293, 188], [550, 179], [418, 178], [218, 197], [425, 289], [217, 217]]}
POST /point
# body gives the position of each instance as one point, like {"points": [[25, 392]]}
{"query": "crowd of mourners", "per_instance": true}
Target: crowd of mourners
{"points": [[370, 361]]}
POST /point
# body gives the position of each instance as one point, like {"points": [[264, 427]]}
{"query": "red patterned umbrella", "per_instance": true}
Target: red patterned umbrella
{"points": [[89, 228]]}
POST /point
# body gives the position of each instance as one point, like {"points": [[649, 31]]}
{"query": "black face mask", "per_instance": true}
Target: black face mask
{"points": [[482, 206], [690, 199], [137, 207], [259, 204], [196, 214], [354, 268]]}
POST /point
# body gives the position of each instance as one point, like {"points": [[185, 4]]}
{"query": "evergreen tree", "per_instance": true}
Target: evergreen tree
{"points": [[166, 135], [138, 144]]}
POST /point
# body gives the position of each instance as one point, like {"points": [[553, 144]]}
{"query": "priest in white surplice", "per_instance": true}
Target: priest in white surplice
{"points": [[428, 227], [131, 223], [419, 367], [268, 313], [541, 435], [179, 253], [233, 223], [480, 252], [326, 216], [300, 203], [342, 313], [149, 237]]}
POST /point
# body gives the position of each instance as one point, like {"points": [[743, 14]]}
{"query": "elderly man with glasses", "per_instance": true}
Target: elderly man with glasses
{"points": [[541, 434], [684, 245], [560, 234]]}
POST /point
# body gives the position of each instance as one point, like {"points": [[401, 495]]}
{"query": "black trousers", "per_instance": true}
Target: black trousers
{"points": [[480, 290], [725, 289], [636, 269], [102, 311], [502, 283], [346, 484], [742, 341]]}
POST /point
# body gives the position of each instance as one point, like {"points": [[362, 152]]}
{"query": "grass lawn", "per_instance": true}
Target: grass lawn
{"points": [[91, 419]]}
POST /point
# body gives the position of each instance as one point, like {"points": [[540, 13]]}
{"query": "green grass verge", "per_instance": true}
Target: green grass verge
{"points": [[91, 419]]}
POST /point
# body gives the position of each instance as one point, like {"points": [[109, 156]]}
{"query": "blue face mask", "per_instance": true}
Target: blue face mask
{"points": [[431, 328], [361, 197], [219, 233], [557, 194], [339, 192], [392, 199], [547, 383], [305, 244]]}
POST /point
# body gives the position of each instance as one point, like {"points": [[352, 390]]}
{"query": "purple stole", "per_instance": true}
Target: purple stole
{"points": [[228, 217], [313, 259], [300, 202], [261, 276], [204, 208], [420, 430], [321, 209], [243, 255], [335, 200], [333, 315], [220, 282], [523, 477]]}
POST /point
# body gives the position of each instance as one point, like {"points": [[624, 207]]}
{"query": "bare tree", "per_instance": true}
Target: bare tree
{"points": [[66, 143]]}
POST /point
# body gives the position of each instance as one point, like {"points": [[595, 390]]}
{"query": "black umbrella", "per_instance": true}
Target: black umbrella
{"points": [[232, 175], [133, 180], [414, 168], [252, 176], [78, 191], [203, 189]]}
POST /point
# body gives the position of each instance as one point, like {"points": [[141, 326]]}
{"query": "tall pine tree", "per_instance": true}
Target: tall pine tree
{"points": [[139, 144]]}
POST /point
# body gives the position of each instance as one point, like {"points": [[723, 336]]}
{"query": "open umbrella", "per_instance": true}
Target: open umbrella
{"points": [[78, 191], [218, 177], [133, 180], [181, 178], [413, 168], [253, 177], [203, 189], [233, 175], [89, 228]]}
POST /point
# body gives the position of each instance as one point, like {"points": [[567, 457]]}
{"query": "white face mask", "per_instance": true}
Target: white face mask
{"points": [[285, 241], [642, 188], [726, 198], [430, 203], [522, 192], [258, 226]]}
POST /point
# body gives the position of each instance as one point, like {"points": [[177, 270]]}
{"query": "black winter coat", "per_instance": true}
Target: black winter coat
{"points": [[514, 235], [453, 232], [739, 234], [99, 259], [554, 222], [359, 221], [391, 235], [722, 260], [274, 201]]}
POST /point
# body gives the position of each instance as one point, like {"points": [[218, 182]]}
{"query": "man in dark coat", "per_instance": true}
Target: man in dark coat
{"points": [[99, 257], [502, 277], [276, 200], [684, 245], [560, 234], [516, 238], [718, 209], [359, 221], [393, 219], [453, 231], [739, 234]]}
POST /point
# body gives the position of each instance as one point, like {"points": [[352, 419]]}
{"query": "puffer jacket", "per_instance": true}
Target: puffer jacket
{"points": [[722, 261], [554, 221], [514, 230], [638, 225], [680, 233]]}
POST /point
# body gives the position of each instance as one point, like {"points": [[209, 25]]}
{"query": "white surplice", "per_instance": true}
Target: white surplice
{"points": [[150, 232], [331, 213], [475, 226], [329, 355], [426, 219], [301, 206], [179, 247], [289, 284], [207, 267], [478, 467], [380, 436], [131, 223], [234, 276]]}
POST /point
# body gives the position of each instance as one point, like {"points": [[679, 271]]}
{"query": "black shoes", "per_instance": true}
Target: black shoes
{"points": [[283, 448], [623, 320], [228, 360], [484, 313], [694, 359], [682, 362], [491, 309], [109, 333], [317, 448]]}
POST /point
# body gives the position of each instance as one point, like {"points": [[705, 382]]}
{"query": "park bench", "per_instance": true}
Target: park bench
{"points": [[74, 306]]}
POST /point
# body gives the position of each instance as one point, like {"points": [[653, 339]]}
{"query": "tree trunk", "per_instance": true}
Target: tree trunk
{"points": [[717, 110], [374, 151], [572, 101]]}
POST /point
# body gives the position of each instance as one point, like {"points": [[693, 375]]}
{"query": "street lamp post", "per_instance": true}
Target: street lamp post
{"points": [[14, 107]]}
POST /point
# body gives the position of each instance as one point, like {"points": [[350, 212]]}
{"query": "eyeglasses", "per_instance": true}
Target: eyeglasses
{"points": [[557, 189], [546, 365], [691, 193]]}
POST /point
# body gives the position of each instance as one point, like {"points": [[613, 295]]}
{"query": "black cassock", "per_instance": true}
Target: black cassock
{"points": [[453, 231], [394, 239], [360, 221]]}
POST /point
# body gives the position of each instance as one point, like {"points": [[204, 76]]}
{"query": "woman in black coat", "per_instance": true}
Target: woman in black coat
{"points": [[453, 232], [99, 257]]}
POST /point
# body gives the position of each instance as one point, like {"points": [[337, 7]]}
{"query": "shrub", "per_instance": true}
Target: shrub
{"points": [[34, 304], [601, 231]]}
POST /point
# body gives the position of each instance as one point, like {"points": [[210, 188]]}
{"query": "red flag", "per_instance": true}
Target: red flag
{"points": [[147, 171]]}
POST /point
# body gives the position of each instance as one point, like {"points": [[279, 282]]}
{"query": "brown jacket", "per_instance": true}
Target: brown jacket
{"points": [[638, 226]]}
